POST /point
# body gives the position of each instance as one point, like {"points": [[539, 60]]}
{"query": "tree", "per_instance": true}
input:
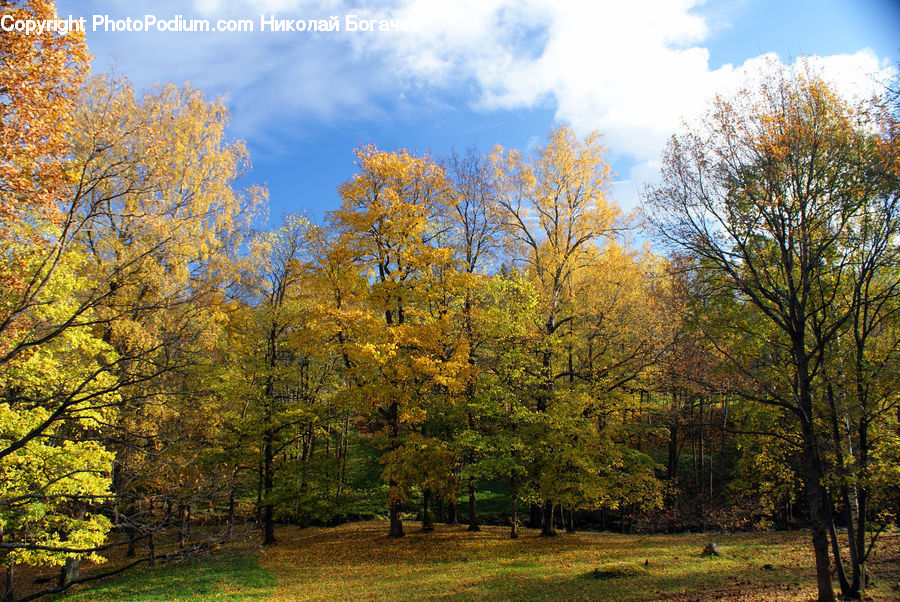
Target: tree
{"points": [[553, 208], [401, 360], [473, 236], [39, 80], [265, 361], [769, 198], [155, 210], [503, 396], [39, 83], [132, 260], [279, 376], [51, 482]]}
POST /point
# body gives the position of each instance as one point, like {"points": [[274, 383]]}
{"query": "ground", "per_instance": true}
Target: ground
{"points": [[359, 561]]}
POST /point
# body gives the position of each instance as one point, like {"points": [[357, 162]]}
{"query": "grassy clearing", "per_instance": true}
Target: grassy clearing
{"points": [[232, 576], [358, 561]]}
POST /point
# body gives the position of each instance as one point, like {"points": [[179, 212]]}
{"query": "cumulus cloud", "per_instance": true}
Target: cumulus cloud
{"points": [[632, 70]]}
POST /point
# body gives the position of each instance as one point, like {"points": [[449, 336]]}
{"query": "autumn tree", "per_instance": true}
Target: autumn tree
{"points": [[387, 220], [140, 246], [39, 78], [473, 236], [259, 357], [620, 331], [691, 386], [39, 83], [770, 197], [509, 430], [155, 209], [279, 376], [553, 208], [53, 471]]}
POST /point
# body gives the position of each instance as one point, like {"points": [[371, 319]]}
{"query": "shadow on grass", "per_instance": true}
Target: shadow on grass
{"points": [[634, 588], [227, 577]]}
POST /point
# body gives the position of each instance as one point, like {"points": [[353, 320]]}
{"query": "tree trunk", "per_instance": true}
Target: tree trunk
{"points": [[439, 509], [816, 495], [345, 443], [723, 433], [132, 540], [151, 545], [700, 458], [184, 516], [473, 516], [860, 576], [268, 489], [259, 493], [838, 561], [818, 527], [232, 494], [427, 520], [851, 500], [693, 438], [452, 513], [570, 525], [396, 529], [547, 529], [395, 499], [849, 511], [513, 514], [672, 460], [9, 582], [70, 571], [816, 498]]}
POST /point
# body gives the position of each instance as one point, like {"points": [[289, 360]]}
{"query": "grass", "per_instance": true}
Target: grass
{"points": [[232, 576], [358, 561]]}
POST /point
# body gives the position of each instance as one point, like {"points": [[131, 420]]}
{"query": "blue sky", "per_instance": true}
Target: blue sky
{"points": [[480, 73]]}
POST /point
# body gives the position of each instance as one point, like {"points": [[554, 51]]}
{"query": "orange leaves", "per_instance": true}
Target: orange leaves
{"points": [[39, 77]]}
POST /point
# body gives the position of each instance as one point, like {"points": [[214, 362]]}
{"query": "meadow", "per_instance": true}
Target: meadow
{"points": [[358, 561]]}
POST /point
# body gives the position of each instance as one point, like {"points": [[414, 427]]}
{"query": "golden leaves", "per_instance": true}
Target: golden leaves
{"points": [[553, 206]]}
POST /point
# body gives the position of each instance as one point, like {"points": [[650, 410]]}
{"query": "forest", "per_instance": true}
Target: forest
{"points": [[480, 338]]}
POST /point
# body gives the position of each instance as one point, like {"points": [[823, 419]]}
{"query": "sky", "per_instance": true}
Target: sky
{"points": [[461, 73]]}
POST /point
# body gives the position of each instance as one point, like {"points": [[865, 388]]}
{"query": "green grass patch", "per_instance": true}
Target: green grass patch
{"points": [[233, 576]]}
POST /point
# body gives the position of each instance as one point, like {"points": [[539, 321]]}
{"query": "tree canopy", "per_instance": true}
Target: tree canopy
{"points": [[475, 324]]}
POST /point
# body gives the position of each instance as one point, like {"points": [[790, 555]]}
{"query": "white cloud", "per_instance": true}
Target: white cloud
{"points": [[632, 70]]}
